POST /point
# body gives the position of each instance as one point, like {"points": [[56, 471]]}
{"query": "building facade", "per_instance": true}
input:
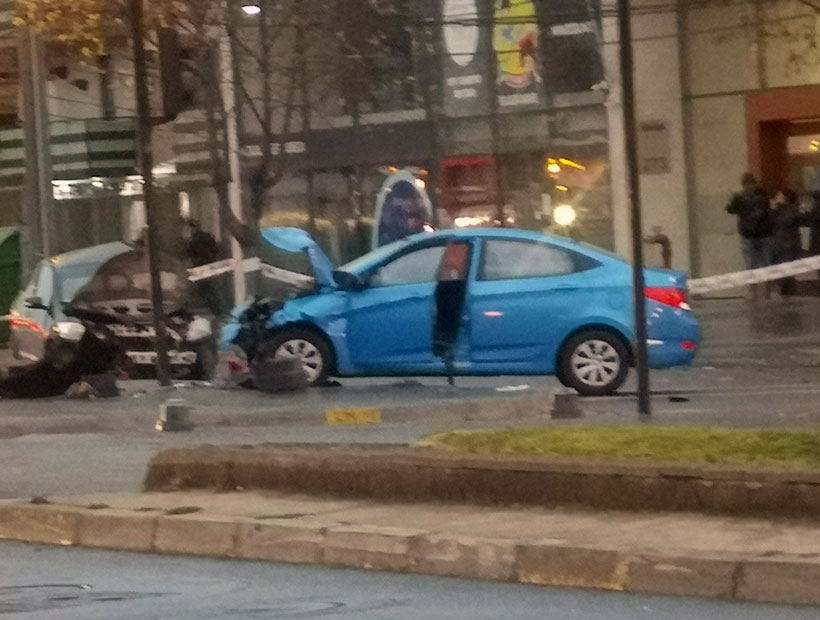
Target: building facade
{"points": [[722, 88], [477, 97]]}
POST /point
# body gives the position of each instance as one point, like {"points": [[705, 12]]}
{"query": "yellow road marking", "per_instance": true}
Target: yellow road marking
{"points": [[341, 417]]}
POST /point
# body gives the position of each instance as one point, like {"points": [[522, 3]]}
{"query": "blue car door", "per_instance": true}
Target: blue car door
{"points": [[523, 301], [389, 323]]}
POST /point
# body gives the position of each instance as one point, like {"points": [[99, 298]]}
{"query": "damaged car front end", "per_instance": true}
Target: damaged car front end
{"points": [[292, 268]]}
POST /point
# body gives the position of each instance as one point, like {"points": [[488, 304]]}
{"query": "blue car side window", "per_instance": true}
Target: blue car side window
{"points": [[503, 259], [411, 268]]}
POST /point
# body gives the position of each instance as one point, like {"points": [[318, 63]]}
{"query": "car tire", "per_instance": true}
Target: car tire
{"points": [[594, 363], [302, 344]]}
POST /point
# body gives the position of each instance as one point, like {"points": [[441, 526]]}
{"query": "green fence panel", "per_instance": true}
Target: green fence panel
{"points": [[9, 275]]}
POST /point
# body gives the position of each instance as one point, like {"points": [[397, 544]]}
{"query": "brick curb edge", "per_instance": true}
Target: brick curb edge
{"points": [[543, 562]]}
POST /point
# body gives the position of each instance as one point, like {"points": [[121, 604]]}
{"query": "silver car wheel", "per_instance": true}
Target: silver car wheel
{"points": [[595, 363], [306, 353]]}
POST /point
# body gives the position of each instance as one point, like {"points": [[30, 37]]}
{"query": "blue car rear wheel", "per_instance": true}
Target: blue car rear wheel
{"points": [[594, 363]]}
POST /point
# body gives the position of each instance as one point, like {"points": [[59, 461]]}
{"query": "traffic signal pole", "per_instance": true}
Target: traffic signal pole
{"points": [[146, 162], [633, 175]]}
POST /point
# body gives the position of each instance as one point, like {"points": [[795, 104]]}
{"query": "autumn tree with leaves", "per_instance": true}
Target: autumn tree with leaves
{"points": [[290, 59]]}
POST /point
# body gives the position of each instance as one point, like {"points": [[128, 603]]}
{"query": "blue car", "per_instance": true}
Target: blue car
{"points": [[534, 304]]}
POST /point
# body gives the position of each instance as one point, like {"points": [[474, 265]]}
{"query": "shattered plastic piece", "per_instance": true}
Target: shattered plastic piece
{"points": [[513, 388], [81, 390]]}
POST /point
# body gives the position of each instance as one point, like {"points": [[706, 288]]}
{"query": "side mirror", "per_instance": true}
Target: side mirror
{"points": [[348, 281]]}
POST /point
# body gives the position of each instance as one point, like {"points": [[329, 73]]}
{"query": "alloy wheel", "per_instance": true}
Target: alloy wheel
{"points": [[306, 352], [595, 363]]}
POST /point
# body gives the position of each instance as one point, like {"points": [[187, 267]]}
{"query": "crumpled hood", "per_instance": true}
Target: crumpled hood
{"points": [[297, 240]]}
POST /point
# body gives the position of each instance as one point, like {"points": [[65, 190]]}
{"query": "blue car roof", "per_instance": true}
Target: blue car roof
{"points": [[373, 257]]}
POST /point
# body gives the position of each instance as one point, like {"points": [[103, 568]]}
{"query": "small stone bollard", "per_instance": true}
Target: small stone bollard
{"points": [[565, 404], [174, 415]]}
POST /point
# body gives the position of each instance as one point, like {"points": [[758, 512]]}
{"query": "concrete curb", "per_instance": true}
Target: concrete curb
{"points": [[534, 405], [407, 474], [544, 562]]}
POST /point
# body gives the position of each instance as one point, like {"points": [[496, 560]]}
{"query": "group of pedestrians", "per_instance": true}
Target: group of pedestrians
{"points": [[769, 228]]}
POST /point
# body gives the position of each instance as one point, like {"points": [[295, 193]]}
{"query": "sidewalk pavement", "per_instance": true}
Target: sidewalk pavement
{"points": [[773, 333], [745, 559]]}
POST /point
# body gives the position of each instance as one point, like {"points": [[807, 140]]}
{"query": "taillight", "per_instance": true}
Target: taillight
{"points": [[15, 322], [668, 296]]}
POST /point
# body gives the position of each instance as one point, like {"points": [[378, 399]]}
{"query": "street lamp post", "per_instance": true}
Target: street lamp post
{"points": [[639, 303], [146, 162]]}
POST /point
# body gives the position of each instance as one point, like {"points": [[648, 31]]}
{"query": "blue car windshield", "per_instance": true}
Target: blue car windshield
{"points": [[376, 256]]}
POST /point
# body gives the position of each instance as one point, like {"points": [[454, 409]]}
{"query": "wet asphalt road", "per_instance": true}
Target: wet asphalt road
{"points": [[74, 584], [759, 366], [65, 447]]}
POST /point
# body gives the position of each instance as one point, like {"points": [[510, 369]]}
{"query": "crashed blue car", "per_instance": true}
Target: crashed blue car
{"points": [[533, 304]]}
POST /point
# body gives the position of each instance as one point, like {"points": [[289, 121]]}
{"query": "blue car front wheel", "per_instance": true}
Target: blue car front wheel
{"points": [[304, 347]]}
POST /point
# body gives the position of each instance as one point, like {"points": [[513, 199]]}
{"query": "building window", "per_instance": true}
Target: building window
{"points": [[572, 61], [377, 45]]}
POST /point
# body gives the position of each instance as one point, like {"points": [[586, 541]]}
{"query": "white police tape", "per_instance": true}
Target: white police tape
{"points": [[219, 267], [697, 286], [288, 277], [753, 276], [248, 265]]}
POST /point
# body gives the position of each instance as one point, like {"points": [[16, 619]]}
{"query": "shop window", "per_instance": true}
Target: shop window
{"points": [[467, 183]]}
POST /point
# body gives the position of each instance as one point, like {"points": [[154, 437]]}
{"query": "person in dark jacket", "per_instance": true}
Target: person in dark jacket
{"points": [[786, 247], [754, 223], [812, 220]]}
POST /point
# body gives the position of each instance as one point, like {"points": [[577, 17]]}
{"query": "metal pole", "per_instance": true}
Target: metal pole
{"points": [[146, 161], [37, 139], [495, 128], [639, 302], [228, 93]]}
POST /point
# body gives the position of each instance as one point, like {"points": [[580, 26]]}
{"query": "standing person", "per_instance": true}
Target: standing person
{"points": [[202, 248], [754, 223], [812, 219], [786, 245]]}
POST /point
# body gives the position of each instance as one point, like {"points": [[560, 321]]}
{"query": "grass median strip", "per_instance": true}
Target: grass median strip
{"points": [[689, 445]]}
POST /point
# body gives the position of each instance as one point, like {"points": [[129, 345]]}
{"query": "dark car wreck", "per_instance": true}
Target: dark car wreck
{"points": [[89, 312]]}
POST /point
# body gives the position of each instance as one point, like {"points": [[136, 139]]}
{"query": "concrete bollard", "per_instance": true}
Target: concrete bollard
{"points": [[174, 415], [566, 404]]}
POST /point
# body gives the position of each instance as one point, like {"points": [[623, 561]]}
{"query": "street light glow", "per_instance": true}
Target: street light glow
{"points": [[563, 215]]}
